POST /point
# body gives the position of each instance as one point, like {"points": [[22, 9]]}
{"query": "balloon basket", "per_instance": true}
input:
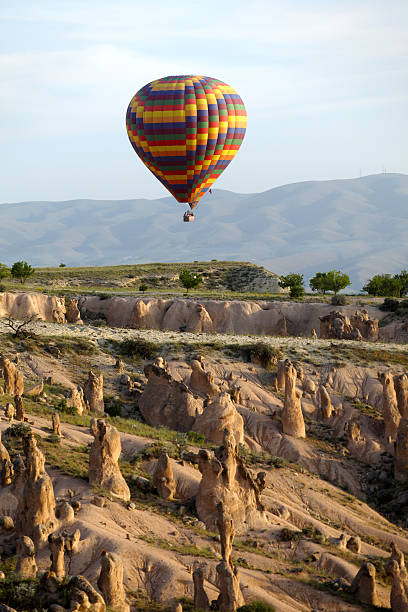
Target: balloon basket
{"points": [[188, 217]]}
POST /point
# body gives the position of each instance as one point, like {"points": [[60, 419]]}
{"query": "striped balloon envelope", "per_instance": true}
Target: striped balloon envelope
{"points": [[186, 130]]}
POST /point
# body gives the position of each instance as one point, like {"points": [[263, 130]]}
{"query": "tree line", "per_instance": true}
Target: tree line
{"points": [[382, 285]]}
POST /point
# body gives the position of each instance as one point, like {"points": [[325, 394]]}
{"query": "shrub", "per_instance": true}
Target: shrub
{"points": [[143, 287], [2, 287], [18, 430], [62, 265], [339, 300], [4, 271], [256, 606], [190, 280], [62, 406], [137, 348], [21, 270], [113, 407], [264, 354]]}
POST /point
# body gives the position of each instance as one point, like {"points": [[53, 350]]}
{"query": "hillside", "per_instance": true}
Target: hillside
{"points": [[359, 225]]}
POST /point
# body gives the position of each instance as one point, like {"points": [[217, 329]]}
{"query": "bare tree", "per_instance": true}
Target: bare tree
{"points": [[21, 328]]}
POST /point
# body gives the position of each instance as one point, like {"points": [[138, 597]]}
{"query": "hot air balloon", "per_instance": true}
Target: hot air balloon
{"points": [[186, 130]]}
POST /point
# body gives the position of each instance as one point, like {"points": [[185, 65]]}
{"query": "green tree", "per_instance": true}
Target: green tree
{"points": [[295, 284], [403, 278], [4, 271], [337, 280], [21, 270], [319, 282], [190, 280], [383, 285], [143, 287]]}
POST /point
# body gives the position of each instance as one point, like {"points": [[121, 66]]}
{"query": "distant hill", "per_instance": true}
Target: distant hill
{"points": [[358, 225]]}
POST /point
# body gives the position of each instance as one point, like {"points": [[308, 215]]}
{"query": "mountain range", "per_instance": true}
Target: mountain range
{"points": [[357, 225]]}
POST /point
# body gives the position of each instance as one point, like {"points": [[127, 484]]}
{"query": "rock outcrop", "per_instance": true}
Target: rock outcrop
{"points": [[9, 412], [399, 586], [73, 314], [226, 479], [292, 417], [56, 424], [18, 401], [26, 566], [13, 378], [163, 477], [401, 451], [4, 454], [325, 405], [337, 325], [37, 505], [76, 400], [6, 473], [389, 407], [367, 327], [110, 582], [83, 597], [202, 381], [201, 601], [401, 389], [219, 414], [230, 597], [105, 451], [364, 585], [168, 402], [57, 548], [93, 393]]}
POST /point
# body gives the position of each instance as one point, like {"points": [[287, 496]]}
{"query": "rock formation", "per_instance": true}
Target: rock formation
{"points": [[4, 454], [93, 393], [201, 601], [226, 479], [292, 417], [401, 389], [110, 582], [325, 405], [338, 326], [119, 366], [390, 412], [399, 586], [26, 566], [280, 376], [354, 544], [9, 412], [83, 597], [217, 415], [13, 378], [76, 400], [364, 585], [166, 401], [57, 548], [230, 597], [202, 381], [56, 424], [36, 390], [18, 401], [37, 505], [19, 476], [105, 451], [6, 473], [308, 387], [73, 314], [401, 451], [163, 477]]}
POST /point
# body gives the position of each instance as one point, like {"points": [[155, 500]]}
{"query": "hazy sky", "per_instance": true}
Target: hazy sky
{"points": [[325, 84]]}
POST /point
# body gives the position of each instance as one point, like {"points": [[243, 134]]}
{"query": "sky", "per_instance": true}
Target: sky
{"points": [[324, 82]]}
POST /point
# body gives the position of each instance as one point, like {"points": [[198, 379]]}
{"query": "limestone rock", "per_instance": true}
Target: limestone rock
{"points": [[9, 412], [36, 390], [4, 454], [325, 405], [37, 504], [56, 424], [280, 376], [308, 387], [83, 597], [73, 314], [367, 327], [219, 414], [390, 412], [13, 379], [364, 585], [76, 399], [399, 587], [26, 565], [93, 393], [292, 416], [105, 451], [337, 325], [230, 597], [57, 548], [163, 477], [110, 582], [166, 401], [226, 479], [354, 544], [401, 389], [201, 601], [18, 401], [202, 381], [401, 451], [7, 473]]}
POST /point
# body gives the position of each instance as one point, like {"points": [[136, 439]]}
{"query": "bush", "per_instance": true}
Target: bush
{"points": [[137, 348], [18, 430], [190, 280], [339, 300], [113, 407], [62, 406], [143, 287], [256, 606], [2, 288], [264, 354]]}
